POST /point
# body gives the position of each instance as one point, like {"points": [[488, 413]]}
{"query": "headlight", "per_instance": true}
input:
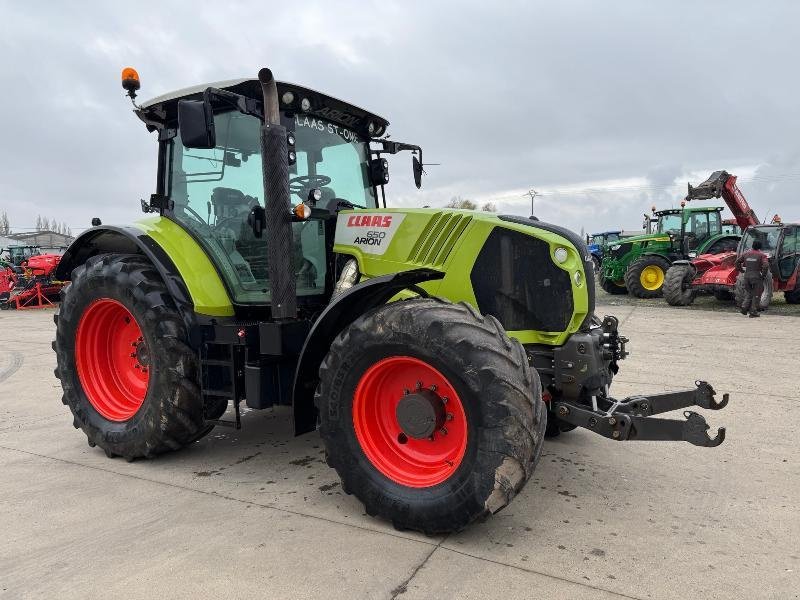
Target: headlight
{"points": [[578, 278], [561, 255], [615, 247], [347, 278]]}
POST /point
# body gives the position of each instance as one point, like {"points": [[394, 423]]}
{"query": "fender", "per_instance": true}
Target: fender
{"points": [[337, 316], [704, 247], [123, 240], [188, 273]]}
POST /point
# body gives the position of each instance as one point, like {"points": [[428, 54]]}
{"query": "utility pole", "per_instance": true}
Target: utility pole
{"points": [[532, 193]]}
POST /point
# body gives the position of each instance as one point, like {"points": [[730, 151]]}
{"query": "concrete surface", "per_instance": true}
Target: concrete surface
{"points": [[257, 514]]}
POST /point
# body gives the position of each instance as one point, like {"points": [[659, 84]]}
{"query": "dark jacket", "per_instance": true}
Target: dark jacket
{"points": [[753, 262]]}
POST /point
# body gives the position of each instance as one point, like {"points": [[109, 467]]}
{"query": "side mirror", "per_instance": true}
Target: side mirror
{"points": [[196, 124], [417, 165]]}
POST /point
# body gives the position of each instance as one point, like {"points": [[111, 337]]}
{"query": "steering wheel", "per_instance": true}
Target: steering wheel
{"points": [[297, 185]]}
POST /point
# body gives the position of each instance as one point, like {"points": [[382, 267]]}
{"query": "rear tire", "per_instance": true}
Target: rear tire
{"points": [[597, 264], [678, 289], [793, 296], [612, 288], [496, 401], [118, 408], [645, 276], [766, 296]]}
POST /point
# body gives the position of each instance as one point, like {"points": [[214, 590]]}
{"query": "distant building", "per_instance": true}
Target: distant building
{"points": [[50, 242]]}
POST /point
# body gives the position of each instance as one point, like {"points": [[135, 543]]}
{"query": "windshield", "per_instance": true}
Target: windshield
{"points": [[669, 223], [768, 236], [332, 158], [214, 190]]}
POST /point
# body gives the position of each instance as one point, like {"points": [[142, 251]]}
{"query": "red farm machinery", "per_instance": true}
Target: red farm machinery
{"points": [[27, 280], [717, 273]]}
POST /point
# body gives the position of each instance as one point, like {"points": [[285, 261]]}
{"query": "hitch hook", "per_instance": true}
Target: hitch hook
{"points": [[708, 401], [695, 431]]}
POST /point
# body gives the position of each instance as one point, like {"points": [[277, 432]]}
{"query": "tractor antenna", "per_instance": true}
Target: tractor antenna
{"points": [[532, 193]]}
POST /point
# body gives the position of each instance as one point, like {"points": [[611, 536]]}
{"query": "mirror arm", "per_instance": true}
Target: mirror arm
{"points": [[245, 105], [390, 147]]}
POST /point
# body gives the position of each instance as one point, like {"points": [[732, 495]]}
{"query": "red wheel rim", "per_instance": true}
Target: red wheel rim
{"points": [[112, 359], [412, 462]]}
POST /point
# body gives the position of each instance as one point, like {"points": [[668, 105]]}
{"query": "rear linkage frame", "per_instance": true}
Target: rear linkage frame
{"points": [[631, 419]]}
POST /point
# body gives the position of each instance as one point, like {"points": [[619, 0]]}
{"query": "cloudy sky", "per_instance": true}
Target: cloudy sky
{"points": [[604, 108]]}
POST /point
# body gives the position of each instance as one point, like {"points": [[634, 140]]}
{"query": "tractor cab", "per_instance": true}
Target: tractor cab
{"points": [[19, 254], [690, 227], [781, 242], [215, 189]]}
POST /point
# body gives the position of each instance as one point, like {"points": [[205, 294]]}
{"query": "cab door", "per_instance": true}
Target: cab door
{"points": [[789, 252]]}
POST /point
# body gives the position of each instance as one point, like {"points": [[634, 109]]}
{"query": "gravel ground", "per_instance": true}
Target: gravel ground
{"points": [[256, 513], [778, 306]]}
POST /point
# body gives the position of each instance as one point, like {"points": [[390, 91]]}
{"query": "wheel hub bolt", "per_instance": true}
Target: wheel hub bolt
{"points": [[563, 411], [612, 421], [615, 434], [443, 431]]}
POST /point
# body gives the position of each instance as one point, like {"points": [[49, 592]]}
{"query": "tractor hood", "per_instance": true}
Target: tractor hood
{"points": [[638, 239]]}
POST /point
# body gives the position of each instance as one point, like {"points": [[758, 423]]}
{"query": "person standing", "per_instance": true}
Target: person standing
{"points": [[754, 265]]}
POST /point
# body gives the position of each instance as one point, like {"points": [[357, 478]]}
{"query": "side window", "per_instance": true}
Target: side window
{"points": [[714, 223]]}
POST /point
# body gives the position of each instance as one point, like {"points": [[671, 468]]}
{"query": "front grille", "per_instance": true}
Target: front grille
{"points": [[515, 280]]}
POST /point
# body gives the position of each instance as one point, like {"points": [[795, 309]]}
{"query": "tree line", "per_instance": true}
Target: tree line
{"points": [[459, 202], [45, 224], [42, 224]]}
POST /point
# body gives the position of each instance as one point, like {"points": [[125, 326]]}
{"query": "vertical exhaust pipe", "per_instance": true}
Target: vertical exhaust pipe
{"points": [[277, 203]]}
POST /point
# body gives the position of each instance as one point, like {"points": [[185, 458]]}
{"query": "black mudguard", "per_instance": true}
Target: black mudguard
{"points": [[337, 316]]}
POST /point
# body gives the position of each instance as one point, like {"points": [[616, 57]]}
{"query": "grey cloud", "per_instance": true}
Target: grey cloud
{"points": [[506, 96]]}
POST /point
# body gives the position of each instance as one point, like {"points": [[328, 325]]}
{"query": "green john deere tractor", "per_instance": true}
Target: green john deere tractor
{"points": [[638, 265], [431, 348]]}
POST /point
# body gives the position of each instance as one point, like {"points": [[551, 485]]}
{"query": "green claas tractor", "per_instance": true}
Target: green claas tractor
{"points": [[431, 348], [638, 265]]}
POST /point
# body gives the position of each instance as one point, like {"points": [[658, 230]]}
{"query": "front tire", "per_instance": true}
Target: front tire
{"points": [[678, 289], [645, 276], [793, 296], [127, 372], [416, 353], [766, 296], [615, 288]]}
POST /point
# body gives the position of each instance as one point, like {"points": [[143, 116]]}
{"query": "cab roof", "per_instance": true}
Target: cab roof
{"points": [[162, 110], [677, 211]]}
